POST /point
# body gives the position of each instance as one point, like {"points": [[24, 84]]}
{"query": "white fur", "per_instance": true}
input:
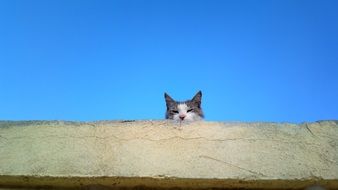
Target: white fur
{"points": [[189, 116]]}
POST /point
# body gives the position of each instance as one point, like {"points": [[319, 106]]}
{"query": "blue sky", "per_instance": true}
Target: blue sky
{"points": [[94, 60]]}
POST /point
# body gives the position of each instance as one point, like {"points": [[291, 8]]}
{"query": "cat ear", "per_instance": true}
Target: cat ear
{"points": [[197, 98], [168, 99]]}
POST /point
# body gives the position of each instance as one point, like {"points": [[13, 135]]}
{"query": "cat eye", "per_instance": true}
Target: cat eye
{"points": [[174, 111], [189, 110]]}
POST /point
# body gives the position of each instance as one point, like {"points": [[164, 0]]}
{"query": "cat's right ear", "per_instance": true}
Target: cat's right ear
{"points": [[168, 99]]}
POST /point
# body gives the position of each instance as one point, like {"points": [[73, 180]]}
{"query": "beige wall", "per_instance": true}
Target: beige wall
{"points": [[162, 154]]}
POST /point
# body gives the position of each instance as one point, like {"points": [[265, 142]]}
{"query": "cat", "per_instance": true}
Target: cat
{"points": [[189, 110]]}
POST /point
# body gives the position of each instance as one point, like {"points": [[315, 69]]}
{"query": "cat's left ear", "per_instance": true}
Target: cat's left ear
{"points": [[197, 98]]}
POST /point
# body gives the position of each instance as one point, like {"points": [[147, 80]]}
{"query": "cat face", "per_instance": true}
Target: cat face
{"points": [[189, 110]]}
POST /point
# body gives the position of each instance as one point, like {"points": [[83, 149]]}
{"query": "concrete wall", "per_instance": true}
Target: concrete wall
{"points": [[161, 154]]}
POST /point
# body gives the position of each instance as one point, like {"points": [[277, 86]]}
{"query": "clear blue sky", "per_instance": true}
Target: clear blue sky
{"points": [[94, 60]]}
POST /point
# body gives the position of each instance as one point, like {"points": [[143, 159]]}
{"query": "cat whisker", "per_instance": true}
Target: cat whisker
{"points": [[182, 111]]}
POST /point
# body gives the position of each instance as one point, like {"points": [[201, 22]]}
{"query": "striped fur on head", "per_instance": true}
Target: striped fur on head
{"points": [[189, 110]]}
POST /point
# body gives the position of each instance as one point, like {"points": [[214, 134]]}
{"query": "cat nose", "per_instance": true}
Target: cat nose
{"points": [[182, 117]]}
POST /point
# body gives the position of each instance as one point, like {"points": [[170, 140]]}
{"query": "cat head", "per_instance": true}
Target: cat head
{"points": [[189, 110]]}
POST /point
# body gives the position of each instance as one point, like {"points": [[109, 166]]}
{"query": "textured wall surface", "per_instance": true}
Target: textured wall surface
{"points": [[163, 154]]}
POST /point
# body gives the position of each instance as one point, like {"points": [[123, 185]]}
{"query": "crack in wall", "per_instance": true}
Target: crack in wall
{"points": [[167, 139], [233, 165], [308, 128]]}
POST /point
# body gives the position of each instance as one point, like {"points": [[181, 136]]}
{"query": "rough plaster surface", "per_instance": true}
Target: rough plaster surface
{"points": [[163, 154]]}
